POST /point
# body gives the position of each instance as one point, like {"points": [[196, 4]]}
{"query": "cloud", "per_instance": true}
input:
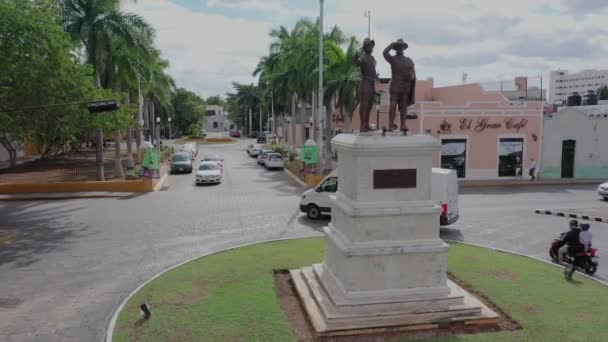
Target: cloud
{"points": [[210, 47], [246, 4]]}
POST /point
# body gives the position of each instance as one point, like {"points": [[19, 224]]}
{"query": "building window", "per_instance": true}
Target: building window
{"points": [[510, 156], [210, 113], [215, 124], [454, 155]]}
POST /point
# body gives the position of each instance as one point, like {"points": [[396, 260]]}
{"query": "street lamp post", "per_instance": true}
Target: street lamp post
{"points": [[368, 15], [320, 101], [170, 133]]}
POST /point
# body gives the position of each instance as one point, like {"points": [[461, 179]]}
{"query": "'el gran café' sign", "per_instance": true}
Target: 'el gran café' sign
{"points": [[482, 124]]}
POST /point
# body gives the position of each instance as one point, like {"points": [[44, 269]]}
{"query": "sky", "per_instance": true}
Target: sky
{"points": [[212, 43]]}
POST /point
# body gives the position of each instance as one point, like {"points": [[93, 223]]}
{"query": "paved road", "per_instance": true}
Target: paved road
{"points": [[75, 261]]}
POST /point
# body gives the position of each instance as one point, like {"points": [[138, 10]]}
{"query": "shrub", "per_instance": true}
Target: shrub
{"points": [[195, 130]]}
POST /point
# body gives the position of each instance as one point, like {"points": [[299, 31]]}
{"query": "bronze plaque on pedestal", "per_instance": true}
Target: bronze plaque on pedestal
{"points": [[395, 179]]}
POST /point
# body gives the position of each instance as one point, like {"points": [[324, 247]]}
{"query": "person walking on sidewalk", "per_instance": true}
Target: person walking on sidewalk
{"points": [[532, 167]]}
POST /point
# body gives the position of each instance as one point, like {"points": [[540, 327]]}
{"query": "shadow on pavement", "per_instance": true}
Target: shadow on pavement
{"points": [[314, 224], [451, 234], [39, 230]]}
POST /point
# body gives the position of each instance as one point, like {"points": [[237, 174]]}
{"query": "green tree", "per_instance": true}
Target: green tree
{"points": [[214, 100], [189, 109], [603, 93], [343, 79], [99, 25], [38, 68]]}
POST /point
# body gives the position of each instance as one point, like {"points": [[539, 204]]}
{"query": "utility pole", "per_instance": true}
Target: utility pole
{"points": [[368, 14], [274, 124], [320, 99]]}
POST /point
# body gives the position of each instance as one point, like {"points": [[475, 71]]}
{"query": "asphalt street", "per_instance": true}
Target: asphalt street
{"points": [[74, 261]]}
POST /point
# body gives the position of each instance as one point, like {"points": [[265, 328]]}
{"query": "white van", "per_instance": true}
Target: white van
{"points": [[444, 191]]}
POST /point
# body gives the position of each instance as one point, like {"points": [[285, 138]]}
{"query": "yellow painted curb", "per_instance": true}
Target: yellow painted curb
{"points": [[160, 182], [295, 178]]}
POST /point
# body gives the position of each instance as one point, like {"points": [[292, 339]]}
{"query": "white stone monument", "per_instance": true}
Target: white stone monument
{"points": [[385, 264]]}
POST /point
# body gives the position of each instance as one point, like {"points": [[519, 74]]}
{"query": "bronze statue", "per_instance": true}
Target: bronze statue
{"points": [[403, 83], [367, 64]]}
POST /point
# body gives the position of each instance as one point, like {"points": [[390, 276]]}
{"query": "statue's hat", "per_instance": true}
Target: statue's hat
{"points": [[368, 41], [402, 43]]}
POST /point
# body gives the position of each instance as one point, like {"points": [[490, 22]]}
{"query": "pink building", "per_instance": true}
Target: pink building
{"points": [[483, 135]]}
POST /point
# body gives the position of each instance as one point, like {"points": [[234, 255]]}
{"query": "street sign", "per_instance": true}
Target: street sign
{"points": [[309, 154]]}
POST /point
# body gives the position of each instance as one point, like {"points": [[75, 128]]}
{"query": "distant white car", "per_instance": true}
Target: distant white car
{"points": [[256, 149], [263, 153], [192, 148], [214, 158], [208, 172], [602, 190], [274, 161]]}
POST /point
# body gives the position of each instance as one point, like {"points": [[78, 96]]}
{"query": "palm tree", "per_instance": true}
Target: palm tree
{"points": [[247, 96], [99, 24], [343, 79]]}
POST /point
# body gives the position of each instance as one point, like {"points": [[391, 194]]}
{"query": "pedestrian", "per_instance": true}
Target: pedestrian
{"points": [[532, 171], [518, 172]]}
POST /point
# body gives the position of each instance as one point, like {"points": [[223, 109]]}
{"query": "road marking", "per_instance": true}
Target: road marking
{"points": [[571, 215]]}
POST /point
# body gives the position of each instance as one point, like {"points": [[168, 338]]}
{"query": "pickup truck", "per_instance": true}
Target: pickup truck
{"points": [[444, 192]]}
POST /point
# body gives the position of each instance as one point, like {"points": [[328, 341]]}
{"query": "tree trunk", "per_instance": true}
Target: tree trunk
{"points": [[12, 152], [138, 141], [250, 120], [99, 153], [117, 154], [347, 124], [130, 163], [146, 117]]}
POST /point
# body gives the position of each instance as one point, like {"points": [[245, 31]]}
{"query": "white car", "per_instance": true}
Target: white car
{"points": [[192, 148], [274, 161], [256, 149], [214, 158], [263, 153], [208, 172], [602, 190], [444, 192]]}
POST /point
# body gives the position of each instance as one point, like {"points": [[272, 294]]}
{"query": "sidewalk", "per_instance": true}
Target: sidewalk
{"points": [[526, 182]]}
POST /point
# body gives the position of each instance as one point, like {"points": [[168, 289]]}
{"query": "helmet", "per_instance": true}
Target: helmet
{"points": [[573, 223], [585, 226]]}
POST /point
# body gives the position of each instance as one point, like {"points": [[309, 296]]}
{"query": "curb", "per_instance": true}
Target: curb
{"points": [[112, 324], [527, 256], [295, 178], [110, 329], [571, 215], [520, 183], [161, 181]]}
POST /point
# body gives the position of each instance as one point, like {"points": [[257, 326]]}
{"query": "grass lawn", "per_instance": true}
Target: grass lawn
{"points": [[230, 296]]}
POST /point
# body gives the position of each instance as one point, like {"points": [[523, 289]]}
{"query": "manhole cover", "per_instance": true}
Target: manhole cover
{"points": [[10, 303]]}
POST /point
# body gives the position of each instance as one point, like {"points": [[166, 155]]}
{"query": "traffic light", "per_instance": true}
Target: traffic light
{"points": [[102, 106]]}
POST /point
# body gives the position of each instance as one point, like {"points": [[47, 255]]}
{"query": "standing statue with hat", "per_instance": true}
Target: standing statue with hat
{"points": [[403, 83], [367, 86]]}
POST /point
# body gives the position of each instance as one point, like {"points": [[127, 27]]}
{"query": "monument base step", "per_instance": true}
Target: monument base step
{"points": [[327, 318]]}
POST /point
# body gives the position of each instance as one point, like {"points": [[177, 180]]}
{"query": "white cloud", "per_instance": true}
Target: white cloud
{"points": [[488, 39], [246, 4]]}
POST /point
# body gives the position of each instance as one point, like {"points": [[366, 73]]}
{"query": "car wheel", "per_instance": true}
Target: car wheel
{"points": [[313, 212]]}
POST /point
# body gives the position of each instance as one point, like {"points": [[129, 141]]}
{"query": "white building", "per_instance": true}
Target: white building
{"points": [[562, 84], [574, 141], [217, 119]]}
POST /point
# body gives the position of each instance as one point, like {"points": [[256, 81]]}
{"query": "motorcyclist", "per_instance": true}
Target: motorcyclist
{"points": [[571, 240]]}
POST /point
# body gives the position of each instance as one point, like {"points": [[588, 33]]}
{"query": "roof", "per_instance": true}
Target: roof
{"points": [[588, 110]]}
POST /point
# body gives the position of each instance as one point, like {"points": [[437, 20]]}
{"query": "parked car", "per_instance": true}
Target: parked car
{"points": [[235, 134], [203, 133], [214, 158], [263, 153], [274, 161], [181, 162], [255, 150], [602, 190], [192, 148], [261, 140], [444, 192], [208, 172]]}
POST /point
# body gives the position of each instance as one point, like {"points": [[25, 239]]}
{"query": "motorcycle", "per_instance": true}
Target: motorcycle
{"points": [[582, 261]]}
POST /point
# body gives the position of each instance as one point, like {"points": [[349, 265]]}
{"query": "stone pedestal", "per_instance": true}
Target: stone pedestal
{"points": [[385, 264]]}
